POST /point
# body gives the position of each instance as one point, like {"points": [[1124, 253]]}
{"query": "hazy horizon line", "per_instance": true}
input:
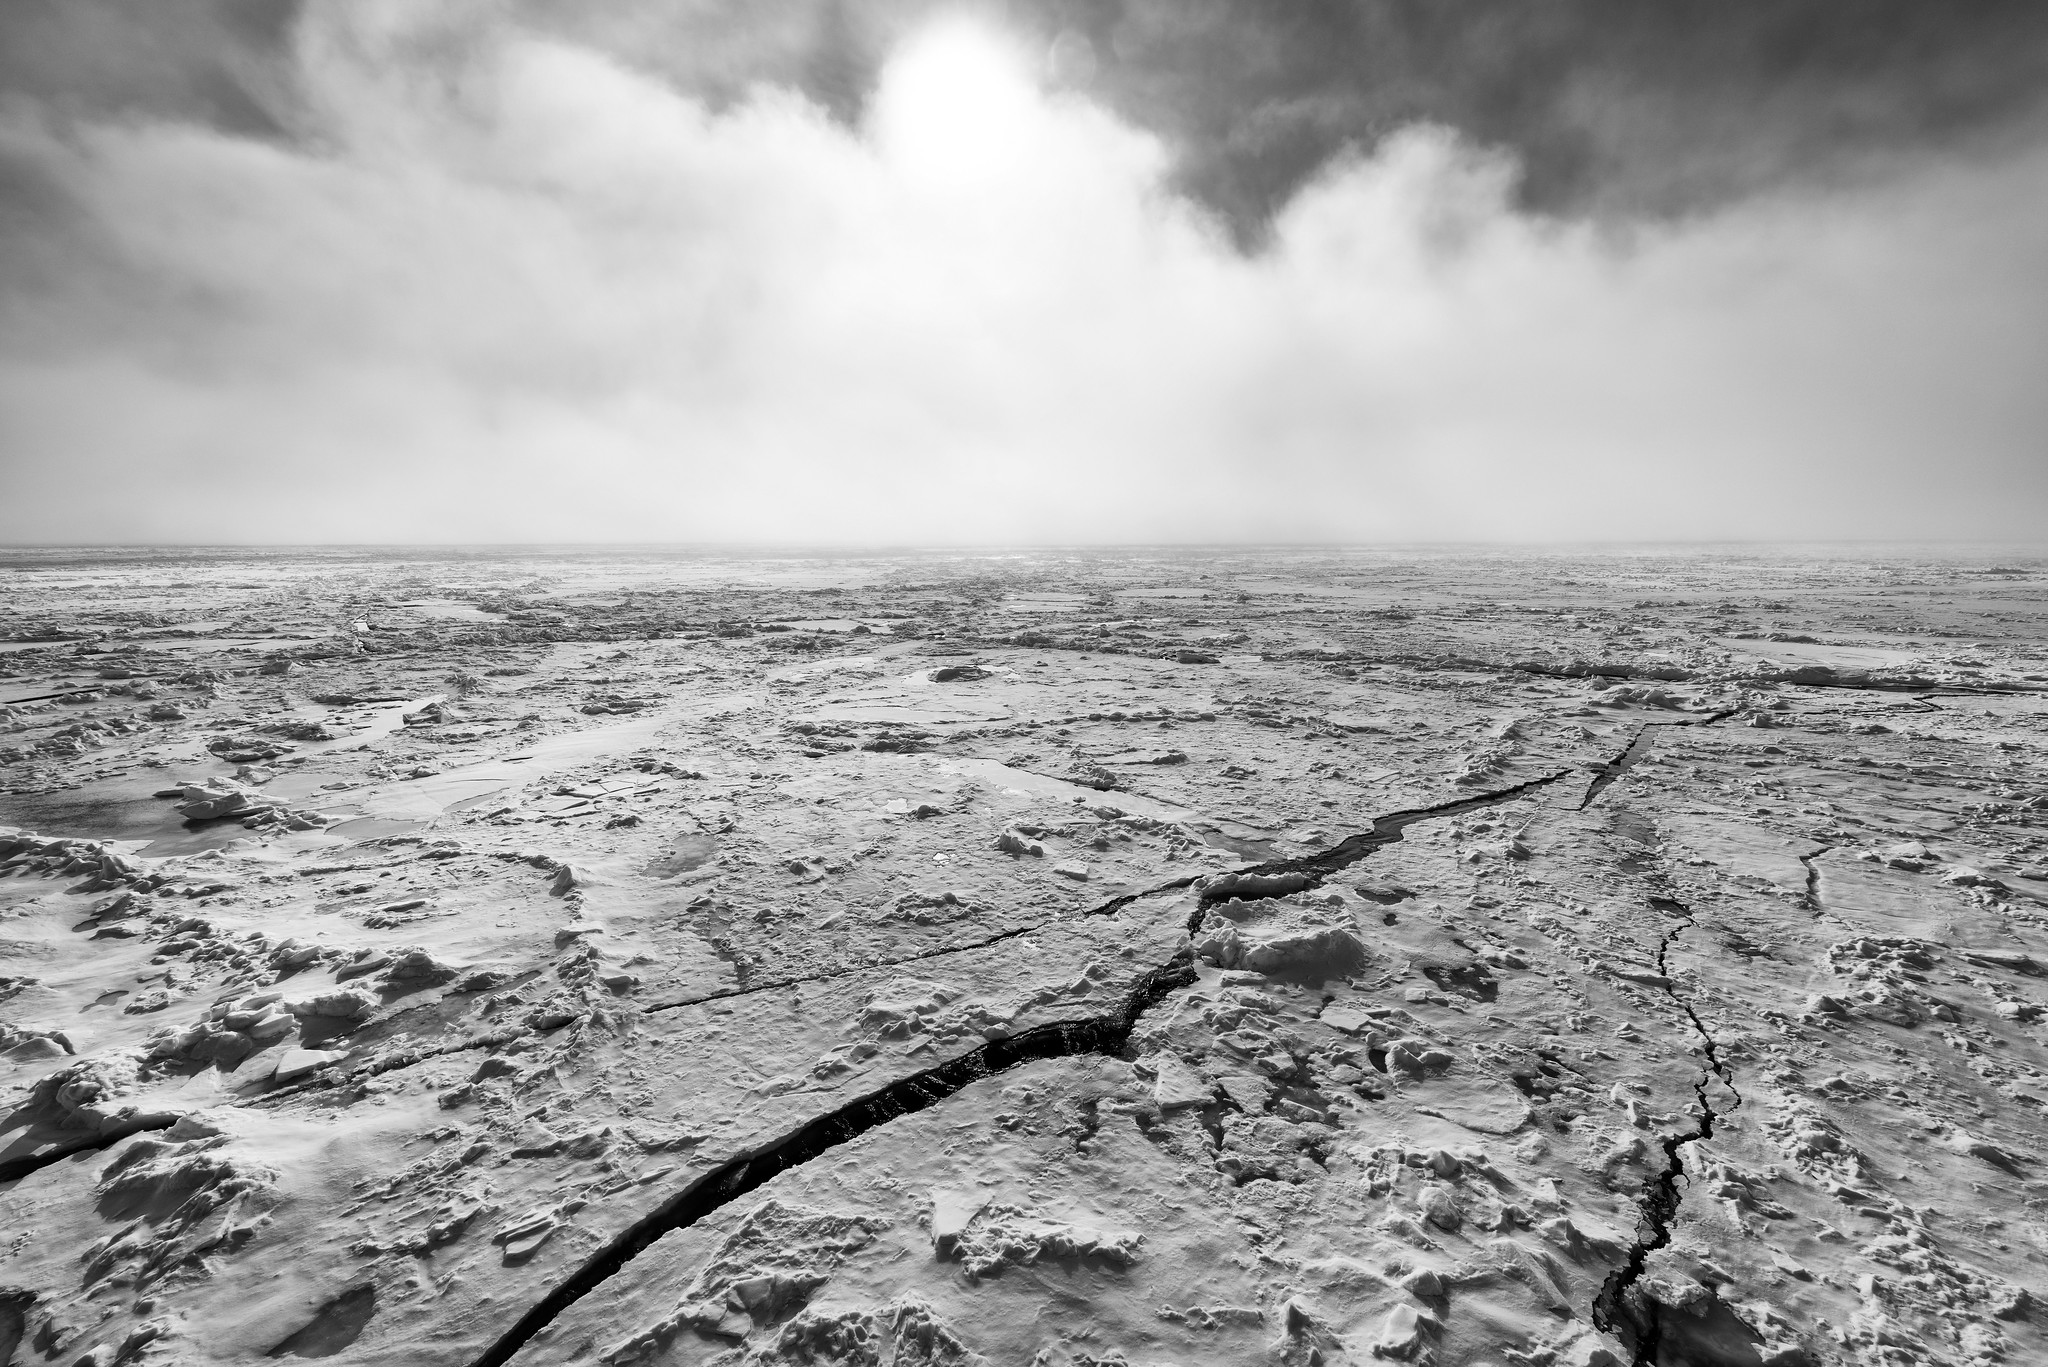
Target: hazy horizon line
{"points": [[909, 548]]}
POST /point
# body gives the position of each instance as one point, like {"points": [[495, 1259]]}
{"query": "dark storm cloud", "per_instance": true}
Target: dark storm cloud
{"points": [[506, 270], [1615, 109], [222, 63], [1611, 107], [832, 50]]}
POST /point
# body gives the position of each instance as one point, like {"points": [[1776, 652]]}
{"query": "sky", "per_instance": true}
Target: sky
{"points": [[886, 272]]}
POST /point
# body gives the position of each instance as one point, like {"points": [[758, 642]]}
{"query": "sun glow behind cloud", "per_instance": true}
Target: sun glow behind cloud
{"points": [[515, 290], [958, 111]]}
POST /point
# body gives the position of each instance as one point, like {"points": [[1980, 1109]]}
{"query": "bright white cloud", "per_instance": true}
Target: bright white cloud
{"points": [[519, 292]]}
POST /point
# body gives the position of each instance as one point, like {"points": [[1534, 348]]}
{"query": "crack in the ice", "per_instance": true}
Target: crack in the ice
{"points": [[1866, 684], [1640, 1324], [1638, 748], [1631, 755], [1918, 686], [13, 1169], [1812, 894], [67, 693], [1388, 829], [1107, 1034], [390, 1064], [1109, 908], [1385, 831]]}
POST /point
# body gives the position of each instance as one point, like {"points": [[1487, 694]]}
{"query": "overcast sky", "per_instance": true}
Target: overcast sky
{"points": [[902, 271]]}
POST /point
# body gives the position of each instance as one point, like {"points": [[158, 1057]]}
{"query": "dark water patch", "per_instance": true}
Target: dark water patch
{"points": [[1238, 845], [1633, 827], [300, 789], [14, 1307], [123, 808], [334, 1327], [686, 853], [26, 1158]]}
